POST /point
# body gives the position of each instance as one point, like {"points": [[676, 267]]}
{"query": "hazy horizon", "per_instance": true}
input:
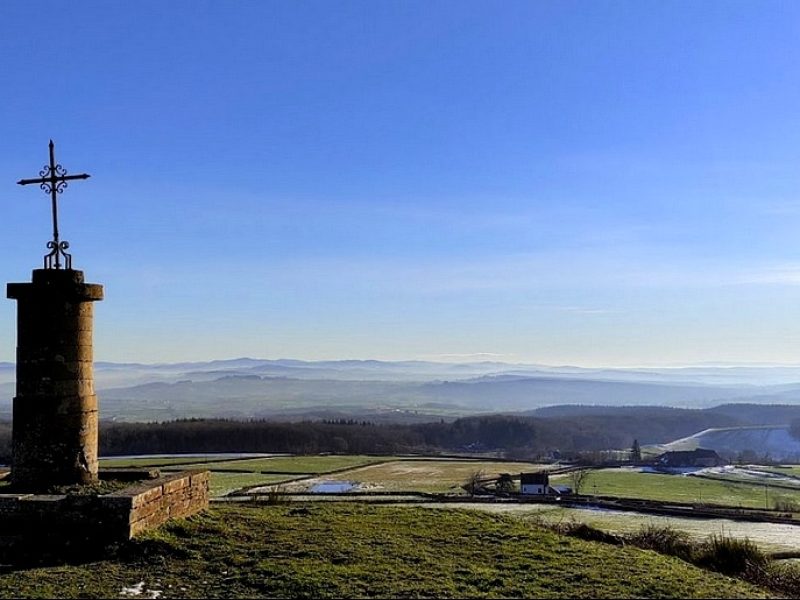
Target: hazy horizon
{"points": [[463, 361]]}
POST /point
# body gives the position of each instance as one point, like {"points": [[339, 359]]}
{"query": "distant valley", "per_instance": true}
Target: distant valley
{"points": [[408, 391]]}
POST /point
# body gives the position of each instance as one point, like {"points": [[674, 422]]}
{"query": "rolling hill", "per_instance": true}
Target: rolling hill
{"points": [[408, 390]]}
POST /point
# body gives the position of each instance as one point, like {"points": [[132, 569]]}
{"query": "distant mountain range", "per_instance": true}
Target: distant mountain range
{"points": [[409, 390]]}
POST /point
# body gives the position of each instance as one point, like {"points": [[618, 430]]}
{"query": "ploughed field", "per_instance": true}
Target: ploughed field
{"points": [[359, 550]]}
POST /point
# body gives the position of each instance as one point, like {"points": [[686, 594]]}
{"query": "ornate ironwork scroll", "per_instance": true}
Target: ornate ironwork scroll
{"points": [[57, 250], [53, 180]]}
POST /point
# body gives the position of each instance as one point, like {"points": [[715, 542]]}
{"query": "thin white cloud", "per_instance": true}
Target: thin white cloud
{"points": [[785, 274]]}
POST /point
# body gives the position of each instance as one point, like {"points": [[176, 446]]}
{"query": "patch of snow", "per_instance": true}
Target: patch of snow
{"points": [[775, 441], [749, 474], [139, 590], [671, 470], [134, 590]]}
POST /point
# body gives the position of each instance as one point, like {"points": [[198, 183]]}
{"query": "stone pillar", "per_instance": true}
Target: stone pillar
{"points": [[54, 435]]}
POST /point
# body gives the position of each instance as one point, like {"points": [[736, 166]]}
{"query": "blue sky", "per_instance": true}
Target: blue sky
{"points": [[592, 183]]}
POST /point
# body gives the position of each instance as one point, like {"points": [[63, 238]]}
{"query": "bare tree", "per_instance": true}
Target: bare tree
{"points": [[577, 478], [474, 482]]}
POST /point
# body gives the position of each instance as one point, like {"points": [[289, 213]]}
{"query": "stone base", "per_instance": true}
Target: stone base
{"points": [[78, 522], [152, 503]]}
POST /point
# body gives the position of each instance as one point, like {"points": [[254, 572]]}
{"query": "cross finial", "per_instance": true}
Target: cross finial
{"points": [[53, 180]]}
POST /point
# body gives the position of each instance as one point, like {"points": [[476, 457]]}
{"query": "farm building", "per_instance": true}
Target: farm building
{"points": [[701, 457], [533, 484]]}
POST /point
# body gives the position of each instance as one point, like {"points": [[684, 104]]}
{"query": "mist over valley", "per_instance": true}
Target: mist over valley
{"points": [[409, 390]]}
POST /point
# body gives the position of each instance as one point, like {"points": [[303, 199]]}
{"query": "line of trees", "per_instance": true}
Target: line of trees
{"points": [[519, 437], [515, 436]]}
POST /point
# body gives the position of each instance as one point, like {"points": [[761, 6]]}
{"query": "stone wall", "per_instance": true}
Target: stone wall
{"points": [[150, 504], [76, 520]]}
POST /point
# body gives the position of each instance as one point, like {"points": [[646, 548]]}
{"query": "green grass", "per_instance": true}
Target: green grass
{"points": [[789, 470], [673, 488], [771, 537], [295, 465], [224, 483], [122, 463], [361, 551]]}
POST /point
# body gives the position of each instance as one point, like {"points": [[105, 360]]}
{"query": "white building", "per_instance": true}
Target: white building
{"points": [[534, 484]]}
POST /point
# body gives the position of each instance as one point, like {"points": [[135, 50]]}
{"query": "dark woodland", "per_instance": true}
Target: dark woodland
{"points": [[566, 430]]}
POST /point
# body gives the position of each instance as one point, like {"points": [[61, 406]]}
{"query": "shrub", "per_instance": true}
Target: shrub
{"points": [[664, 540], [277, 494], [589, 533], [734, 557], [730, 556]]}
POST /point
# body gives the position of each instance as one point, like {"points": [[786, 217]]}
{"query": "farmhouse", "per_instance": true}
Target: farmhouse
{"points": [[534, 484], [701, 457]]}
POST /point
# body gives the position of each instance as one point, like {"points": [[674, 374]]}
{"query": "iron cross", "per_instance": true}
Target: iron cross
{"points": [[53, 180]]}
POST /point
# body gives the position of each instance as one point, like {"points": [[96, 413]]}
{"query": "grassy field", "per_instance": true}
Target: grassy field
{"points": [[674, 488], [252, 471], [398, 474], [428, 475], [221, 484], [789, 470], [154, 461], [447, 475], [389, 473], [770, 537], [294, 465], [363, 551]]}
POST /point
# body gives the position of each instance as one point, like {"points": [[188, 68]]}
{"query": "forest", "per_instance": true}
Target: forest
{"points": [[566, 430]]}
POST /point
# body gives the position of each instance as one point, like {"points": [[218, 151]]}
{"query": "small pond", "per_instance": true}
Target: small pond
{"points": [[333, 487]]}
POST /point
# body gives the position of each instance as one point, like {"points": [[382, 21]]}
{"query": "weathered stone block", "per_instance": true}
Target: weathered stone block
{"points": [[117, 503], [146, 510], [149, 495], [180, 508], [30, 406], [66, 364], [200, 477], [57, 388], [149, 522], [176, 484]]}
